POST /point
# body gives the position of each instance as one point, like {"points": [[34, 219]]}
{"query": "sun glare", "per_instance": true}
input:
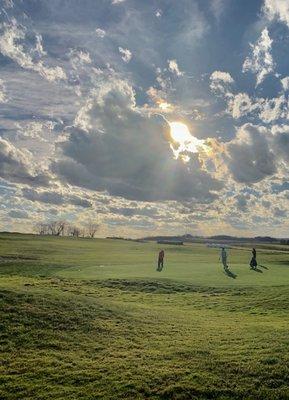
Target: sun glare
{"points": [[183, 142], [180, 132], [164, 106]]}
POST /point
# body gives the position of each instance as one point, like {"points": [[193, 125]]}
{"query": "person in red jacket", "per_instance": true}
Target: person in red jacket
{"points": [[161, 260]]}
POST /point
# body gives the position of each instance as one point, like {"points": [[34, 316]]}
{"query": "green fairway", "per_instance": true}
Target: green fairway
{"points": [[93, 319]]}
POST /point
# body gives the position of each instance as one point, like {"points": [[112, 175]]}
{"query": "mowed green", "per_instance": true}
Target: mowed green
{"points": [[93, 319]]}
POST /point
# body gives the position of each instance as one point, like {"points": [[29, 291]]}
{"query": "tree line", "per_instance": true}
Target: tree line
{"points": [[64, 228]]}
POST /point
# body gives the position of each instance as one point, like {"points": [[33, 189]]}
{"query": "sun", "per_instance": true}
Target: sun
{"points": [[183, 142], [180, 132]]}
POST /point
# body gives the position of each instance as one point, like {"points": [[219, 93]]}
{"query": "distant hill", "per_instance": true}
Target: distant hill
{"points": [[218, 238]]}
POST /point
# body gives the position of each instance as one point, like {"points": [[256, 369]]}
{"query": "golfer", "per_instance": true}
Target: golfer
{"points": [[223, 257], [253, 262], [161, 260]]}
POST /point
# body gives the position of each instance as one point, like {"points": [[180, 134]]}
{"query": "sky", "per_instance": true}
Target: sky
{"points": [[145, 117]]}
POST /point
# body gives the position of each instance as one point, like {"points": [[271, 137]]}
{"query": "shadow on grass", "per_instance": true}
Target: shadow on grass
{"points": [[230, 273], [263, 266], [256, 269]]}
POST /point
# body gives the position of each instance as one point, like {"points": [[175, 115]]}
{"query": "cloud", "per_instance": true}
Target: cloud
{"points": [[261, 61], [8, 3], [258, 152], [241, 202], [126, 54], [174, 68], [249, 156], [78, 58], [112, 142], [117, 1], [285, 83], [218, 8], [279, 213], [240, 105], [38, 130], [273, 109], [119, 148], [266, 110], [18, 214], [13, 44], [131, 211], [220, 82], [17, 166], [277, 9], [100, 33], [51, 197], [158, 13], [280, 142], [3, 96]]}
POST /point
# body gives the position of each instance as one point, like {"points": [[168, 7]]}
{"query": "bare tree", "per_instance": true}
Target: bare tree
{"points": [[42, 228], [62, 228], [75, 231], [57, 228], [92, 229]]}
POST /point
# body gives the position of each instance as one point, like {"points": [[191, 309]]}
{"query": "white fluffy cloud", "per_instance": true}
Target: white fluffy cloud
{"points": [[264, 109], [79, 58], [278, 9], [220, 82], [285, 83], [273, 109], [174, 68], [100, 33], [17, 166], [38, 130], [240, 105], [260, 62], [126, 54], [14, 46], [158, 13], [3, 96]]}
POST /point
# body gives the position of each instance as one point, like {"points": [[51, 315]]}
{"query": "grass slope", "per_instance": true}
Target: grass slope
{"points": [[92, 319]]}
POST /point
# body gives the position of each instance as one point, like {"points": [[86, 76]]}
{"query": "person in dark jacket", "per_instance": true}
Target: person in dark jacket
{"points": [[161, 260], [223, 257], [253, 262]]}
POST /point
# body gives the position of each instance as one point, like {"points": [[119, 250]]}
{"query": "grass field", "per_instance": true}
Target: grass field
{"points": [[92, 319]]}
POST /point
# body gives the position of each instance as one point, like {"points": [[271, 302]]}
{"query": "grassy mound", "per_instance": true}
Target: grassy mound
{"points": [[131, 333]]}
